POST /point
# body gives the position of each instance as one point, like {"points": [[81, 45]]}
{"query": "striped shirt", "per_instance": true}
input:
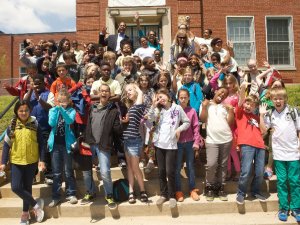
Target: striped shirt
{"points": [[135, 113]]}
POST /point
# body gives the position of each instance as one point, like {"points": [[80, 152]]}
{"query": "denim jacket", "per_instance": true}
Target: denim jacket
{"points": [[69, 117]]}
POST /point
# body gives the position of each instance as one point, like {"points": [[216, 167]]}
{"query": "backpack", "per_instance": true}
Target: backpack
{"points": [[121, 190]]}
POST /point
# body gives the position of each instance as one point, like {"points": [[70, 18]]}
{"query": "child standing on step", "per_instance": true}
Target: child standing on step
{"points": [[252, 146], [166, 134], [61, 118], [218, 119], [285, 122], [23, 147], [189, 143]]}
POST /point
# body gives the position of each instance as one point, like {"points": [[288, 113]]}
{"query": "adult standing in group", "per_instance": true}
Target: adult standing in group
{"points": [[113, 41]]}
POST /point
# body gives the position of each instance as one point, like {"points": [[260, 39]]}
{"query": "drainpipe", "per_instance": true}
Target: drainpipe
{"points": [[202, 17], [11, 58]]}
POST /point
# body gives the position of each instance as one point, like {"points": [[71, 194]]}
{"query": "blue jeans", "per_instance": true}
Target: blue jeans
{"points": [[104, 164], [62, 161], [249, 154], [186, 148], [89, 181]]}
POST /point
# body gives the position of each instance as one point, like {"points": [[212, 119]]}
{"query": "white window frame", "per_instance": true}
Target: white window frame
{"points": [[21, 47], [252, 36], [291, 66], [21, 74]]}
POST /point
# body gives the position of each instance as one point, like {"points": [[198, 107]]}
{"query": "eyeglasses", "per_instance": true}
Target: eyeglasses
{"points": [[181, 37]]}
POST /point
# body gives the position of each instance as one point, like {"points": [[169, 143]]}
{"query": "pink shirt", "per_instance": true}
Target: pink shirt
{"points": [[192, 133]]}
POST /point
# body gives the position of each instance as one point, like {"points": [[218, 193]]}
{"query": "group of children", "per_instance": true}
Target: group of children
{"points": [[146, 113]]}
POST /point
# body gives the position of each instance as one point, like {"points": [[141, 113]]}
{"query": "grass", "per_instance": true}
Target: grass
{"points": [[293, 94]]}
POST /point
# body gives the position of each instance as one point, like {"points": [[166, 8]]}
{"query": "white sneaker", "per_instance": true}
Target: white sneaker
{"points": [[172, 203], [39, 212], [25, 218], [72, 200]]}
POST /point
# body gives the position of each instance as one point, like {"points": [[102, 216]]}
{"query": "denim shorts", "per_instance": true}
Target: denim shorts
{"points": [[133, 146]]}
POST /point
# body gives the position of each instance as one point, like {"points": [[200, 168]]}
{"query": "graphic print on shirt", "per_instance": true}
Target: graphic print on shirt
{"points": [[253, 122]]}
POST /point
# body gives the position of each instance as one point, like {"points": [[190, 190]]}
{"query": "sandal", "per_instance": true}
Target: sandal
{"points": [[144, 196], [131, 198]]}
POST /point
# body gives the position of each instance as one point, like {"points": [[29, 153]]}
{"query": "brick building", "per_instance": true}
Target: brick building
{"points": [[263, 29]]}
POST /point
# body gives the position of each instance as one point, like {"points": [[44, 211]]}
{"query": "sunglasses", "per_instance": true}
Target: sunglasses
{"points": [[181, 37]]}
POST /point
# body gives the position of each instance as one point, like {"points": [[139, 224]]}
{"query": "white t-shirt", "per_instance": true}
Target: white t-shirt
{"points": [[285, 142], [115, 88], [217, 128], [232, 61], [207, 42], [144, 52]]}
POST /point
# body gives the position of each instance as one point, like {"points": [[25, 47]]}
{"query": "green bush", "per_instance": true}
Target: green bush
{"points": [[293, 91], [4, 101]]}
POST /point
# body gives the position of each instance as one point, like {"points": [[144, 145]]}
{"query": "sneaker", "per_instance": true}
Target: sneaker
{"points": [[48, 181], [142, 164], [39, 212], [260, 197], [122, 163], [172, 203], [161, 200], [111, 203], [240, 199], [72, 199], [209, 193], [268, 173], [25, 218], [296, 213], [222, 194], [283, 215], [87, 199], [194, 194], [54, 203], [179, 196], [150, 166]]}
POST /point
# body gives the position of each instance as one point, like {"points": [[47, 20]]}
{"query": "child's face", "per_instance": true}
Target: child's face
{"points": [[183, 98], [105, 72], [188, 77], [229, 85], [138, 63], [220, 95], [163, 82], [252, 67], [111, 61], [68, 61], [89, 82], [144, 82], [126, 49], [249, 107], [218, 46], [131, 92], [163, 99], [104, 94], [150, 64], [277, 84], [23, 113], [193, 61], [279, 102], [157, 55], [203, 50], [45, 67], [214, 60], [38, 85], [66, 46], [31, 72], [62, 72], [63, 101], [182, 64], [144, 42], [127, 66]]}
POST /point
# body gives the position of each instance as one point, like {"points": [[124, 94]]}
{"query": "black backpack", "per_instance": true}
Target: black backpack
{"points": [[121, 190]]}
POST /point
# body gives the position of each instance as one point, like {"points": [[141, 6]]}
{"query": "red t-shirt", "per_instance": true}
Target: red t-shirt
{"points": [[248, 131]]}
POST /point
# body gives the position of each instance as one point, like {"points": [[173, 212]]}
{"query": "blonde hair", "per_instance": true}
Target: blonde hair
{"points": [[231, 78], [109, 55], [274, 92], [128, 59], [252, 99], [128, 102]]}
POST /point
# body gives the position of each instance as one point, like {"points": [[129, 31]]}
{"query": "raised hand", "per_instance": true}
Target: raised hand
{"points": [[263, 108]]}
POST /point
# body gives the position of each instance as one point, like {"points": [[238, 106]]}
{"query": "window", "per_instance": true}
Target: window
{"points": [[280, 44], [22, 71], [21, 47], [240, 30]]}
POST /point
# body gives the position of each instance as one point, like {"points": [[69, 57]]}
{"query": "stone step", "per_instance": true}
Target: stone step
{"points": [[250, 218], [10, 207], [152, 188]]}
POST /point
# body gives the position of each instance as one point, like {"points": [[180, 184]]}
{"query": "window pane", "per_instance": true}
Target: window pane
{"points": [[239, 29], [278, 29], [279, 53], [242, 52]]}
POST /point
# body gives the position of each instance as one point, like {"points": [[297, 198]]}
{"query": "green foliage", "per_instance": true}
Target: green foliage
{"points": [[4, 101], [293, 91]]}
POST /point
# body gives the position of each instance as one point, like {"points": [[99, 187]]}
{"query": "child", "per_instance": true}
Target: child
{"points": [[138, 63], [61, 118], [133, 140], [150, 70], [197, 68], [63, 81], [194, 89], [166, 134], [188, 144], [102, 125], [218, 119], [111, 58], [23, 147], [126, 51], [164, 81], [231, 83], [252, 146], [72, 67], [285, 122]]}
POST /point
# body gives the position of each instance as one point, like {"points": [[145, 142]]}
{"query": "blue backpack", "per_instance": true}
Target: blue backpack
{"points": [[121, 190]]}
